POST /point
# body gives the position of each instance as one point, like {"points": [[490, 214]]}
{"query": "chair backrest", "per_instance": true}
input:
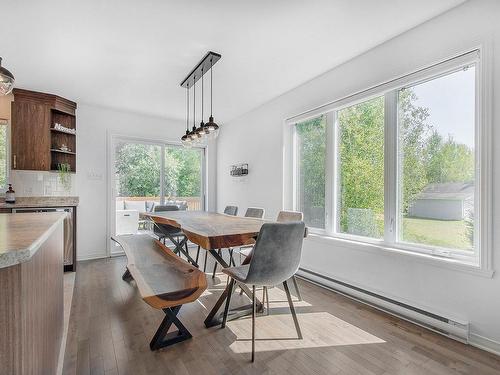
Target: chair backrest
{"points": [[165, 207], [255, 212], [286, 216], [276, 254], [162, 229], [231, 210]]}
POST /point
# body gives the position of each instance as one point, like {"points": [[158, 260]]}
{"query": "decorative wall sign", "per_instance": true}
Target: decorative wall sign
{"points": [[239, 170]]}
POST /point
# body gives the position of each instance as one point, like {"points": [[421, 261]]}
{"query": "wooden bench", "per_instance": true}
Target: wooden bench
{"points": [[164, 280]]}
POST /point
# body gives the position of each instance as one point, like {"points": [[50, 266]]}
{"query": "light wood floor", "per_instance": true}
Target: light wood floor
{"points": [[110, 329]]}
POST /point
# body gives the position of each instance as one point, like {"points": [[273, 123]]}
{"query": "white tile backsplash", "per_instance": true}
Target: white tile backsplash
{"points": [[38, 184]]}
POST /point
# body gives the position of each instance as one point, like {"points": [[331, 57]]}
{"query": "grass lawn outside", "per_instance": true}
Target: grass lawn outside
{"points": [[443, 233]]}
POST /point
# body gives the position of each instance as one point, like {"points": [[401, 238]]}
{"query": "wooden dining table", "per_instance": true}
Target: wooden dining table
{"points": [[214, 231]]}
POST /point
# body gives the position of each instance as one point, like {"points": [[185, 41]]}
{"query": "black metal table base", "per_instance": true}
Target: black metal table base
{"points": [[213, 318], [179, 249], [162, 338]]}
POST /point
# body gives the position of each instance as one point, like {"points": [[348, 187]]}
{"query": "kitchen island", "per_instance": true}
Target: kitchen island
{"points": [[31, 292], [48, 204]]}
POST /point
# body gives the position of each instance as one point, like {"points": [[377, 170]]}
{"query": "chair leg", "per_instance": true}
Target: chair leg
{"points": [[205, 263], [292, 309], [198, 254], [231, 258], [296, 286], [267, 300], [253, 323], [215, 265], [228, 301], [187, 250]]}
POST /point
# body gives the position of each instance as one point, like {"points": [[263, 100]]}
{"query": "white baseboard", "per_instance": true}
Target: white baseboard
{"points": [[484, 343], [475, 340]]}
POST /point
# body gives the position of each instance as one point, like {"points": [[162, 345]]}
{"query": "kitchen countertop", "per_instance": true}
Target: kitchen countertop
{"points": [[26, 202], [22, 235]]}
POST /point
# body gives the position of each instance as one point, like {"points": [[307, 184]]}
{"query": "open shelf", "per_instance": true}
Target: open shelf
{"points": [[63, 152], [60, 138], [61, 131]]}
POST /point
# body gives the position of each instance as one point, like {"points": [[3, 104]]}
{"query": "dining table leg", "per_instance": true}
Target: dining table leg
{"points": [[179, 249], [213, 319]]}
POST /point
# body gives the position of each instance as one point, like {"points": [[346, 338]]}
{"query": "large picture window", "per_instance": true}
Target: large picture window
{"points": [[436, 161], [310, 150], [399, 166], [360, 149]]}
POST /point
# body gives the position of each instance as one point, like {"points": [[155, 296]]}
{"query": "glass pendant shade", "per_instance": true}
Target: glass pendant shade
{"points": [[186, 140], [195, 137], [212, 127], [6, 80], [202, 133]]}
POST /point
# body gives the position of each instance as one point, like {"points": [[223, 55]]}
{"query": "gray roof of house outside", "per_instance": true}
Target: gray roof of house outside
{"points": [[448, 190]]}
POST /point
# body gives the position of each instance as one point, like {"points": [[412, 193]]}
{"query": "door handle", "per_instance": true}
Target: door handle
{"points": [[15, 162]]}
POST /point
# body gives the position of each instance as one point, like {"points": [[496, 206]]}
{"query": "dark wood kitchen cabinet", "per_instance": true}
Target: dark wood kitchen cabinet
{"points": [[35, 142]]}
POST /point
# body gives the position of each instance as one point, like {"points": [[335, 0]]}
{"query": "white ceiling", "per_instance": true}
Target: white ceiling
{"points": [[132, 55]]}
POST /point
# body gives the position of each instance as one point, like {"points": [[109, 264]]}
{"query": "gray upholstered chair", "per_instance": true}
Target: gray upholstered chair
{"points": [[275, 259], [161, 230], [287, 216], [283, 217], [229, 210], [255, 212], [174, 234]]}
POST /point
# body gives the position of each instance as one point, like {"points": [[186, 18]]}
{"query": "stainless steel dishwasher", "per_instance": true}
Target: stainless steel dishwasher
{"points": [[68, 228]]}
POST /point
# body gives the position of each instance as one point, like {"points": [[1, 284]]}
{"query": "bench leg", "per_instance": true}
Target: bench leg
{"points": [[127, 276], [162, 338]]}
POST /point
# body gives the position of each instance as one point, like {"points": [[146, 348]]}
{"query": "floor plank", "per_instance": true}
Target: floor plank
{"points": [[110, 328]]}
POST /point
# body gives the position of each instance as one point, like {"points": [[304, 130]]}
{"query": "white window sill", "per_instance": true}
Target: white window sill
{"points": [[433, 260]]}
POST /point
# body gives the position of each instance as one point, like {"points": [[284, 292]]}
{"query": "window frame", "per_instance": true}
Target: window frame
{"points": [[481, 258], [296, 172]]}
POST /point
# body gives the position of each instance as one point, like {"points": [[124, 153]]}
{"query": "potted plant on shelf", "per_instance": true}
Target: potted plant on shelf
{"points": [[64, 170]]}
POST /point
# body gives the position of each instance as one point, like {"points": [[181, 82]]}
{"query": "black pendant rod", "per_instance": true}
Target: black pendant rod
{"points": [[211, 88], [187, 117], [201, 68], [202, 95], [194, 103]]}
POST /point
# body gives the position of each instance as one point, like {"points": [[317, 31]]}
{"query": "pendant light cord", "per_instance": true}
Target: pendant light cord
{"points": [[187, 117], [194, 102], [211, 88], [202, 92]]}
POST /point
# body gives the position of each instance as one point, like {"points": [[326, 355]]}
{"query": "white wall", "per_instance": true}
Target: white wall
{"points": [[257, 138], [95, 127]]}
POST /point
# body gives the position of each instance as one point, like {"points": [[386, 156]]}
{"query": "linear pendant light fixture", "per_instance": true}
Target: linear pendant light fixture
{"points": [[210, 130]]}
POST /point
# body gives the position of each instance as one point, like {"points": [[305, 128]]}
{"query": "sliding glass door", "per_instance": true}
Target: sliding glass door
{"points": [[145, 174], [183, 176]]}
